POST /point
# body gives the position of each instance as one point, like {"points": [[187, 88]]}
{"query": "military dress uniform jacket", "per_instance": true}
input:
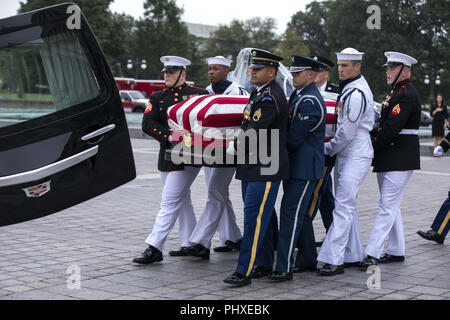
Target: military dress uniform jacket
{"points": [[266, 109], [396, 143], [332, 88], [306, 133], [154, 122]]}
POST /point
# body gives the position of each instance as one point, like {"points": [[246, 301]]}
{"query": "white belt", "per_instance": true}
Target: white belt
{"points": [[409, 131]]}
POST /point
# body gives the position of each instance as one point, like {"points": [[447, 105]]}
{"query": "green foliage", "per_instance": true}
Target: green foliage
{"points": [[228, 40], [418, 28], [291, 43], [159, 33]]}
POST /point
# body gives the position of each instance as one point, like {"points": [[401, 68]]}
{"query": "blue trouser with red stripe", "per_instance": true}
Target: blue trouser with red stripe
{"points": [[441, 223], [259, 202]]}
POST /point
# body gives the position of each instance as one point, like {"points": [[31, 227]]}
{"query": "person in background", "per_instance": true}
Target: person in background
{"points": [[439, 113]]}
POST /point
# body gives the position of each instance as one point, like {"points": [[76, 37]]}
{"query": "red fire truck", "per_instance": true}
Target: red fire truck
{"points": [[146, 87]]}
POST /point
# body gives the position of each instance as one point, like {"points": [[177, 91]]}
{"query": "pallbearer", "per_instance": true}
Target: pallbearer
{"points": [[397, 154], [266, 118]]}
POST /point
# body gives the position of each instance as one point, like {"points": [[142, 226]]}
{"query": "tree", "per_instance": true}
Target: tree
{"points": [[159, 33], [228, 40], [416, 27], [311, 27], [97, 13], [291, 43]]}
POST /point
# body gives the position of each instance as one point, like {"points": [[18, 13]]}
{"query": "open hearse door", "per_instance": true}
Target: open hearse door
{"points": [[63, 132]]}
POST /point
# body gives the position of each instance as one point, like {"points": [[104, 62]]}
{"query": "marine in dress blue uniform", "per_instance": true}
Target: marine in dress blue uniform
{"points": [[397, 155], [177, 179], [267, 111], [306, 137]]}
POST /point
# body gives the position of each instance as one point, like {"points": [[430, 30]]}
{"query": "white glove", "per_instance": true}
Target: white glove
{"points": [[438, 151], [325, 149], [230, 148]]}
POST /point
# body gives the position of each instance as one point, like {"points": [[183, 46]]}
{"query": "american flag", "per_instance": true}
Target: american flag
{"points": [[217, 117]]}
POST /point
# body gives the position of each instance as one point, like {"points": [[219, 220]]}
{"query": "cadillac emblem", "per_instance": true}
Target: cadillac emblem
{"points": [[38, 190]]}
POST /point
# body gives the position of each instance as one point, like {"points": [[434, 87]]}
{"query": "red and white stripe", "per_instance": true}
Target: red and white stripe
{"points": [[199, 114]]}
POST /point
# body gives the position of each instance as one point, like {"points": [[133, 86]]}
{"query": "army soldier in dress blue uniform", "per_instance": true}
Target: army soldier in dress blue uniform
{"points": [[397, 154], [305, 138], [441, 223], [266, 112], [177, 179]]}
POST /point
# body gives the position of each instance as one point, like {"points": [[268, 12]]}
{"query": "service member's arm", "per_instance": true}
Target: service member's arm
{"points": [[347, 128], [393, 124], [266, 112], [151, 124], [308, 116]]}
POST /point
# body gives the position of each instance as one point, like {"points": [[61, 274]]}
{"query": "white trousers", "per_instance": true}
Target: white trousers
{"points": [[218, 213], [175, 203], [343, 241], [389, 220]]}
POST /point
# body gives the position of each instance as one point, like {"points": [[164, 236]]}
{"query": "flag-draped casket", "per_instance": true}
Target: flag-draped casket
{"points": [[204, 124]]}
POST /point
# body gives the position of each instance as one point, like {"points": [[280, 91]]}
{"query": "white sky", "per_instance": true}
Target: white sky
{"points": [[212, 12]]}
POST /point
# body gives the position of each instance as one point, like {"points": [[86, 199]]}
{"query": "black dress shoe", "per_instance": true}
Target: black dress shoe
{"points": [[150, 255], [234, 245], [179, 253], [222, 249], [280, 276], [431, 235], [260, 272], [198, 251], [388, 258], [238, 279], [352, 264], [299, 269], [367, 262], [331, 270]]}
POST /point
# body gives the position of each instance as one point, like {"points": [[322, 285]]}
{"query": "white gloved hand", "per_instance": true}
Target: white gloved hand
{"points": [[438, 151], [230, 148], [325, 149]]}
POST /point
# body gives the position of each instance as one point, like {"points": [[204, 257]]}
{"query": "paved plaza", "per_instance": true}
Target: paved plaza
{"points": [[85, 252]]}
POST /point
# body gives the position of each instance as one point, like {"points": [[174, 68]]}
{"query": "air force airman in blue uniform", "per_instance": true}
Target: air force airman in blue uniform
{"points": [[306, 137], [265, 115]]}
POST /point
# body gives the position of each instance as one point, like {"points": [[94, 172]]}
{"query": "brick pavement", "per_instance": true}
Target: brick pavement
{"points": [[101, 236]]}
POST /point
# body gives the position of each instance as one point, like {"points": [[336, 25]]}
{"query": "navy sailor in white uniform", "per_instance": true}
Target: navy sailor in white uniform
{"points": [[218, 213], [353, 146]]}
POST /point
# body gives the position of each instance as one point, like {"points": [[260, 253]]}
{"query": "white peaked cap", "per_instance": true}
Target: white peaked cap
{"points": [[219, 60], [174, 61], [396, 58], [349, 54]]}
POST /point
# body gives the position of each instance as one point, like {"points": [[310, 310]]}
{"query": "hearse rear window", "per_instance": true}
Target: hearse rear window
{"points": [[43, 75]]}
